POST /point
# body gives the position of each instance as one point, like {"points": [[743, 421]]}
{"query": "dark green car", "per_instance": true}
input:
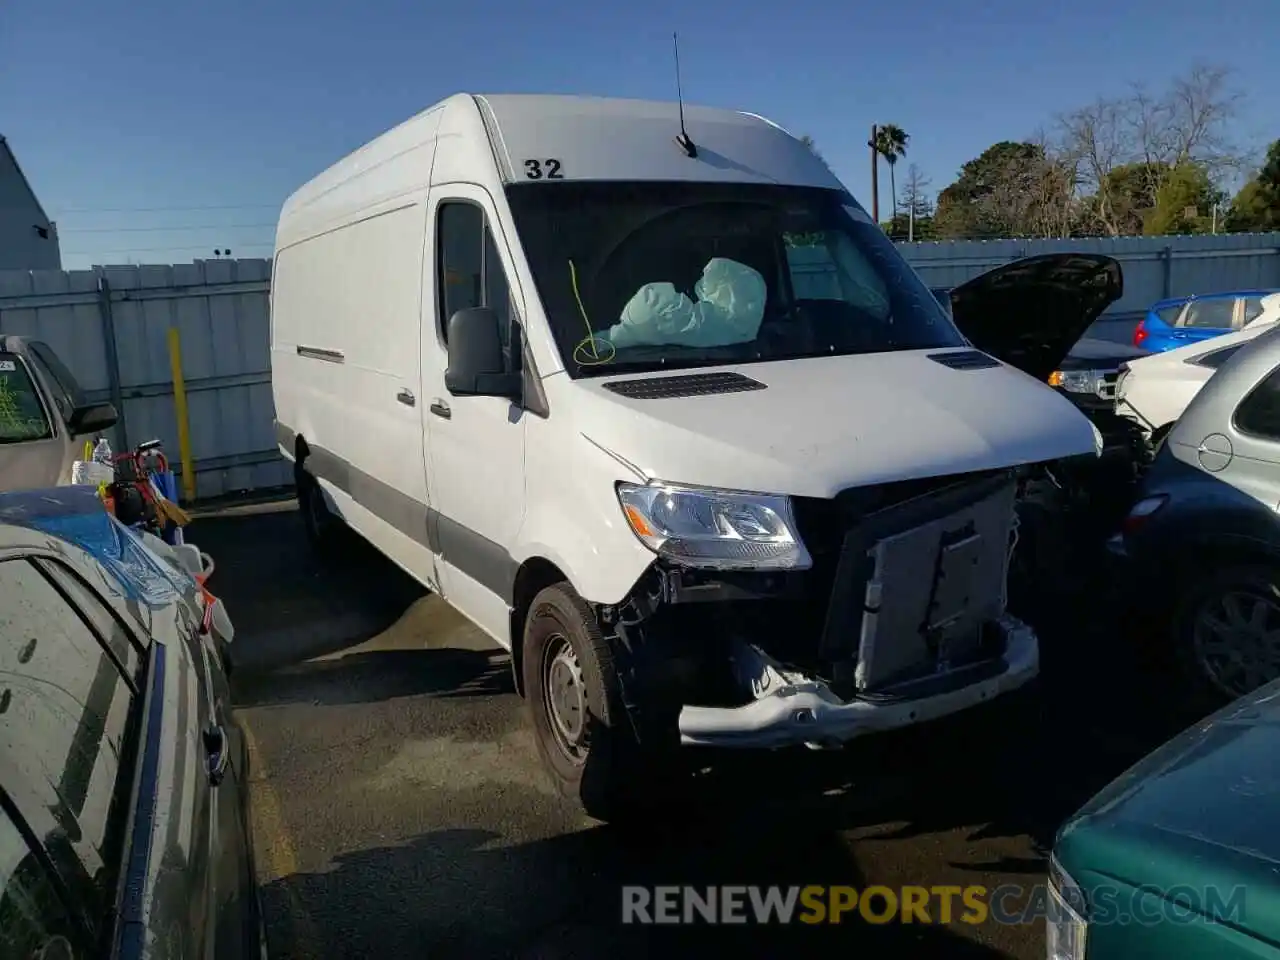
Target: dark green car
{"points": [[1179, 857]]}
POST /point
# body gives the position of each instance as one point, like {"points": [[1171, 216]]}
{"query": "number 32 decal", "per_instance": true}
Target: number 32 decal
{"points": [[539, 169]]}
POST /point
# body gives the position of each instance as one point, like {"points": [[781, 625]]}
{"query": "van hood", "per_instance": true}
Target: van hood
{"points": [[1031, 312], [814, 427]]}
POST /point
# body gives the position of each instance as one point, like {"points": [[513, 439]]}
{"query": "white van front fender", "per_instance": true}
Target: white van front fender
{"points": [[600, 557], [573, 518]]}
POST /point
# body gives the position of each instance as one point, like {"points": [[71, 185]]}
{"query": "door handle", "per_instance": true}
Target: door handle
{"points": [[219, 756], [441, 409], [406, 397]]}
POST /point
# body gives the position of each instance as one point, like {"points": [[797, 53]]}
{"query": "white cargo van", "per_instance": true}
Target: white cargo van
{"points": [[669, 417]]}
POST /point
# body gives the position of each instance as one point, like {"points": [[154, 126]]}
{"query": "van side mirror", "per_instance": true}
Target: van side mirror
{"points": [[92, 418], [477, 362]]}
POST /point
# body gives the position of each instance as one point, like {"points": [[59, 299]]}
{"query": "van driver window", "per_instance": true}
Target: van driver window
{"points": [[470, 270]]}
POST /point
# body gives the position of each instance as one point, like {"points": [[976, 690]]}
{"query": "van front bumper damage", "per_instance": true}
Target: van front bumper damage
{"points": [[900, 620], [793, 709]]}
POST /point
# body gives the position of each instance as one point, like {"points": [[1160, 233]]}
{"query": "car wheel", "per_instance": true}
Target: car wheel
{"points": [[321, 525], [1228, 633], [574, 697]]}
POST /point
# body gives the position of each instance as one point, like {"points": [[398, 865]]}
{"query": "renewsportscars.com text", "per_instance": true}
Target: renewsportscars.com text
{"points": [[940, 904]]}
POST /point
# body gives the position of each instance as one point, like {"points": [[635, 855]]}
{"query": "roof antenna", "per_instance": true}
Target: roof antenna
{"points": [[683, 140]]}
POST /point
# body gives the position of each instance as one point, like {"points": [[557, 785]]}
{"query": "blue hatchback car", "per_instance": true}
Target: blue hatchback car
{"points": [[1182, 320]]}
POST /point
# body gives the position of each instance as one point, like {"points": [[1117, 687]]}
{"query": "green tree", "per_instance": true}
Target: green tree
{"points": [[901, 229], [1012, 189], [1183, 203], [891, 144], [1126, 195], [1123, 147], [1256, 208]]}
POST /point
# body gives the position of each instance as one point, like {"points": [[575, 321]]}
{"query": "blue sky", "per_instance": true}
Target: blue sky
{"points": [[129, 117]]}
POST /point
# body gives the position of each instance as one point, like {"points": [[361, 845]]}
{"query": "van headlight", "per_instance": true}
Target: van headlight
{"points": [[1066, 926], [1099, 444], [714, 529]]}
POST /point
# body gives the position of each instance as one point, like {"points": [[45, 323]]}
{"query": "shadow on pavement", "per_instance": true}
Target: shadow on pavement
{"points": [[574, 908], [369, 676], [292, 606]]}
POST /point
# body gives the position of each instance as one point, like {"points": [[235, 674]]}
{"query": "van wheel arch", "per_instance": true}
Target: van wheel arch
{"points": [[534, 575], [321, 524]]}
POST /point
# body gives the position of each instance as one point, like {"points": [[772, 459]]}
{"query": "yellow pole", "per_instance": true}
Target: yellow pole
{"points": [[180, 413]]}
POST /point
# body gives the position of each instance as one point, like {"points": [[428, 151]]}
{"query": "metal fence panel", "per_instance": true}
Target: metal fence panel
{"points": [[1154, 267], [220, 309], [110, 325]]}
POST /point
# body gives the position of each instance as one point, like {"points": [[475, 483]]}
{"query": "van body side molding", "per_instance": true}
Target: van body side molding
{"points": [[488, 563]]}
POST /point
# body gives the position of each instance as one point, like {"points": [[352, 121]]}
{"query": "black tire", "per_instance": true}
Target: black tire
{"points": [[321, 526], [599, 769], [1209, 689]]}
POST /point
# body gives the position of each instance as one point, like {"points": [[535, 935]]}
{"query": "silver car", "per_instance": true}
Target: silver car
{"points": [[124, 819], [1203, 539], [44, 416]]}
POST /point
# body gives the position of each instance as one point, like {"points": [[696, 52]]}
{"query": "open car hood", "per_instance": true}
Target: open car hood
{"points": [[1031, 312]]}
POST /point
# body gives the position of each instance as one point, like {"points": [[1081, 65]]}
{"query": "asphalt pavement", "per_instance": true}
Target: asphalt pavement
{"points": [[399, 809]]}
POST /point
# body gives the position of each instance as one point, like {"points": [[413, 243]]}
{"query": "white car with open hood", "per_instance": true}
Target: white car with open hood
{"points": [[669, 417]]}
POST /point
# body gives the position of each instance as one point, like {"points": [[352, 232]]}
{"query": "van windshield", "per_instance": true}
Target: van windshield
{"points": [[650, 276], [22, 413]]}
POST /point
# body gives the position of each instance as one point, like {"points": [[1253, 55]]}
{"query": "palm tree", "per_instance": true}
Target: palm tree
{"points": [[891, 143]]}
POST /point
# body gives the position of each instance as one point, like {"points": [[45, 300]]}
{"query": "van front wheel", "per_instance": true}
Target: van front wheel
{"points": [[575, 704]]}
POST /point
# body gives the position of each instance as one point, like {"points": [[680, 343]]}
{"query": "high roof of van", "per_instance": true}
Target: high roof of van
{"points": [[556, 137]]}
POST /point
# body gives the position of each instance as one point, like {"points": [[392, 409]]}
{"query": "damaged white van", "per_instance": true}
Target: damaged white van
{"points": [[659, 408]]}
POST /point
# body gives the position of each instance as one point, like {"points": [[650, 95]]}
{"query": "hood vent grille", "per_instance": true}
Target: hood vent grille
{"points": [[965, 360], [694, 385]]}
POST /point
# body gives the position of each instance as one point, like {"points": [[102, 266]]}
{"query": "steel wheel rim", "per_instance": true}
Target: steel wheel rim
{"points": [[564, 698], [1236, 636]]}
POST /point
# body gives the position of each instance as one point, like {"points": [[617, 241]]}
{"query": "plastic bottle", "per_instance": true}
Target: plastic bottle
{"points": [[102, 452]]}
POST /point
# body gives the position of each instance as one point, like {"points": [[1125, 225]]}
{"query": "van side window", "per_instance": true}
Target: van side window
{"points": [[1259, 411], [69, 726], [469, 268]]}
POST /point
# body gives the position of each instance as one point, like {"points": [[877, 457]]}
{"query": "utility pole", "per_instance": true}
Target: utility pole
{"points": [[875, 176], [911, 222]]}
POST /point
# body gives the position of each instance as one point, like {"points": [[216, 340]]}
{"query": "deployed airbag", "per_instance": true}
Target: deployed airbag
{"points": [[729, 309]]}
